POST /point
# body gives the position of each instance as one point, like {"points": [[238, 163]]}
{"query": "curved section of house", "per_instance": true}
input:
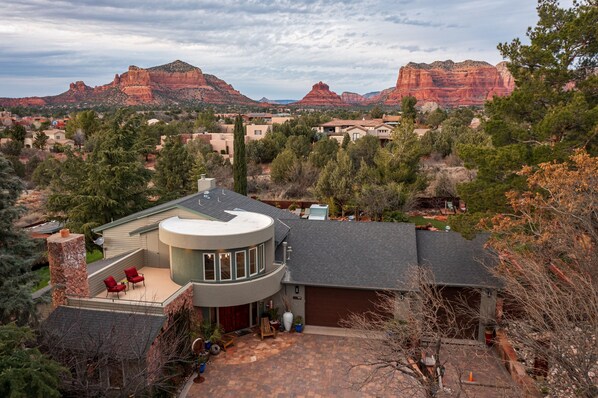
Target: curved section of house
{"points": [[246, 229], [236, 293]]}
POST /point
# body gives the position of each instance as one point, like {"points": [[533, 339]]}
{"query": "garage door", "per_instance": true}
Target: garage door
{"points": [[327, 306]]}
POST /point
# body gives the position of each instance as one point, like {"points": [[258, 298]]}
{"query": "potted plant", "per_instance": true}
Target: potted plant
{"points": [[211, 332], [203, 360], [274, 317], [287, 317], [298, 322]]}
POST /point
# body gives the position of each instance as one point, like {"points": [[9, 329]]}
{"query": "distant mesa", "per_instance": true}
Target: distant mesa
{"points": [[321, 96], [450, 84], [173, 83], [277, 102]]}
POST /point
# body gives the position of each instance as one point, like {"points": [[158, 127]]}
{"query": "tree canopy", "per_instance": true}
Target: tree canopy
{"points": [[552, 111], [16, 253]]}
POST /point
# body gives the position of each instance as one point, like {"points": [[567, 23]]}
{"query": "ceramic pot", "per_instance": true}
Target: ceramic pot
{"points": [[287, 320]]}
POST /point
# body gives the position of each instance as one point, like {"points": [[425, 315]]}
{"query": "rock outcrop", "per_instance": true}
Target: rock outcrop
{"points": [[468, 83], [173, 83], [321, 96], [353, 98]]}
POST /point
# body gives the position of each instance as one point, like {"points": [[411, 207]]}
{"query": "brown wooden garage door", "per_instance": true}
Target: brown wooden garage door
{"points": [[326, 306]]}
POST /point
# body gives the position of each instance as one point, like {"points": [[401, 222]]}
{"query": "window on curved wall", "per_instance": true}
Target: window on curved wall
{"points": [[262, 257], [240, 265], [253, 261], [209, 272], [225, 267]]}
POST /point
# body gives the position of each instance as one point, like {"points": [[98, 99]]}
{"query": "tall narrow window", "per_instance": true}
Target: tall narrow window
{"points": [[240, 264], [208, 267], [225, 271], [253, 261], [262, 257]]}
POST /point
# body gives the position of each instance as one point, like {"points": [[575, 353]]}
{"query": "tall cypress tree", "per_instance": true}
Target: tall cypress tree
{"points": [[240, 161], [16, 253]]}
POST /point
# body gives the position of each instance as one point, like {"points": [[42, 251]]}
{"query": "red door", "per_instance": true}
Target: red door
{"points": [[234, 318]]}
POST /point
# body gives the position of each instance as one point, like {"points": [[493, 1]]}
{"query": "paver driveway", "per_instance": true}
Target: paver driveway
{"points": [[292, 365], [307, 365]]}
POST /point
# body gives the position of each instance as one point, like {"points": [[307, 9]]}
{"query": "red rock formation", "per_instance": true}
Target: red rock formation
{"points": [[320, 96], [353, 98], [177, 82], [452, 84]]}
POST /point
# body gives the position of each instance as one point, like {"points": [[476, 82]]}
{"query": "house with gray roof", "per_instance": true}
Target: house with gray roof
{"points": [[232, 256]]}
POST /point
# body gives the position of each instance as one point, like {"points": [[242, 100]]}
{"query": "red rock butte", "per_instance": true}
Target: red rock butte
{"points": [[176, 82], [467, 83], [320, 96]]}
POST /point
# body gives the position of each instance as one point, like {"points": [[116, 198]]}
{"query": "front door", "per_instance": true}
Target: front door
{"points": [[234, 318]]}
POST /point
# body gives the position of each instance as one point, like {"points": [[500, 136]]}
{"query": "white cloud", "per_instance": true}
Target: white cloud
{"points": [[263, 48]]}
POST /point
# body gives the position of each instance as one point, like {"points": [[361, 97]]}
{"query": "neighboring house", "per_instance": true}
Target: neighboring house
{"points": [[257, 131], [358, 128]]}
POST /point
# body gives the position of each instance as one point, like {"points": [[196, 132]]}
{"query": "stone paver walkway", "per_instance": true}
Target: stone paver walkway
{"points": [[292, 365], [307, 365]]}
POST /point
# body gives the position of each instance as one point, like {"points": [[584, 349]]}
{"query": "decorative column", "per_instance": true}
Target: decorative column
{"points": [[68, 268]]}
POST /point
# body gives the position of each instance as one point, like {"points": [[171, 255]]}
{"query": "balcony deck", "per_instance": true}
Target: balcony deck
{"points": [[158, 287]]}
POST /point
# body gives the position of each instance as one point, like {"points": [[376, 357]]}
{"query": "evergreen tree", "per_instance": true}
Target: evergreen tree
{"points": [[240, 161], [40, 140], [24, 371], [173, 170], [552, 111], [346, 141], [109, 184], [16, 253], [408, 108]]}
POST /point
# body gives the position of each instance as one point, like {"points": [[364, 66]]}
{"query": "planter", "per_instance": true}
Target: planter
{"points": [[299, 328], [489, 336], [202, 367], [287, 319]]}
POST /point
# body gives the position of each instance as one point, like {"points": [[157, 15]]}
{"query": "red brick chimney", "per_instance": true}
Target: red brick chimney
{"points": [[68, 268]]}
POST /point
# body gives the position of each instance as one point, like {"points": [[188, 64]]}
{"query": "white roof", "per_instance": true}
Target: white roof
{"points": [[244, 222]]}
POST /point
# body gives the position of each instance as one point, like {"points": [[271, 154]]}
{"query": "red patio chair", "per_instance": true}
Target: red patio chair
{"points": [[134, 277], [113, 287]]}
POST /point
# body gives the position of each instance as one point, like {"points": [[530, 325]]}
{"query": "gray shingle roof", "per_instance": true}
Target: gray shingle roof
{"points": [[456, 261], [350, 254], [219, 200], [118, 334], [214, 205]]}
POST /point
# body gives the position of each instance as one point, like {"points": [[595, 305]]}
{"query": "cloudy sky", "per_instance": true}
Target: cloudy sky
{"points": [[276, 49]]}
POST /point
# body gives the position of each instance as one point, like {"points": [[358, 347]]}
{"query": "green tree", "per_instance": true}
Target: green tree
{"points": [[435, 118], [18, 133], [109, 184], [300, 145], [376, 112], [24, 371], [40, 140], [364, 149], [552, 111], [336, 182], [206, 120], [283, 165], [346, 141], [17, 253], [173, 170], [323, 151], [85, 122], [408, 108], [240, 160]]}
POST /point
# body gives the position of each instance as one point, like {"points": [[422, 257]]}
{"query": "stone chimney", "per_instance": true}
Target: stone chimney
{"points": [[68, 268], [205, 184]]}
